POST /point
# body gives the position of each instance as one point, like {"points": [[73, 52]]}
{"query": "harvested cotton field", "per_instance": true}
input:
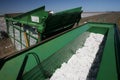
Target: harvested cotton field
{"points": [[88, 14], [79, 65], [109, 17]]}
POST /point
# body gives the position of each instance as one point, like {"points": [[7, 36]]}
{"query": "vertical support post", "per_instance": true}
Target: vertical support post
{"points": [[7, 26], [39, 36], [20, 37], [26, 39], [13, 34], [75, 25], [29, 37]]}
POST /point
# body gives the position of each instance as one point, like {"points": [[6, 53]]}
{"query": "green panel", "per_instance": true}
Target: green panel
{"points": [[108, 69], [117, 47], [44, 20], [60, 20], [34, 18], [97, 29], [102, 25], [70, 10], [108, 66], [39, 12]]}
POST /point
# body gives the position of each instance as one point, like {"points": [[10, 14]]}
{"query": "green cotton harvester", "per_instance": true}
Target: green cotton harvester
{"points": [[48, 39]]}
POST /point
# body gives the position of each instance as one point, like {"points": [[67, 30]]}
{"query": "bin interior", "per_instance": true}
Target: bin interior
{"points": [[54, 61], [44, 58]]}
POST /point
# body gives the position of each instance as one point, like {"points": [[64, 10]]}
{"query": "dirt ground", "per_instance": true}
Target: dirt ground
{"points": [[113, 17], [6, 46], [2, 24]]}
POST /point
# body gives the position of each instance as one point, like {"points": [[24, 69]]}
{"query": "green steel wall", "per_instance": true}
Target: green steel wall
{"points": [[107, 70]]}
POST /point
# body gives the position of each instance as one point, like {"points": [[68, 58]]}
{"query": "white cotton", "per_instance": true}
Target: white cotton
{"points": [[78, 66], [18, 45]]}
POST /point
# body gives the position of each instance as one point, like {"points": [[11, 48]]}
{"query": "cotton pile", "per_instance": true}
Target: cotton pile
{"points": [[77, 67]]}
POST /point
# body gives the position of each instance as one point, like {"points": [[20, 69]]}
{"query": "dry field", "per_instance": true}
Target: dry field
{"points": [[2, 24], [6, 46], [113, 17]]}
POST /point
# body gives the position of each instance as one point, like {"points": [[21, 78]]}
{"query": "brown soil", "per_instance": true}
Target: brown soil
{"points": [[6, 47], [113, 17]]}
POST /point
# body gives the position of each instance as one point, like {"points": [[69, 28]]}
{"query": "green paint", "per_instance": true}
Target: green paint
{"points": [[46, 24], [107, 69], [43, 51]]}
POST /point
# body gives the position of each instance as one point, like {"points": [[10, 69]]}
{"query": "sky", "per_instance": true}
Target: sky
{"points": [[16, 6]]}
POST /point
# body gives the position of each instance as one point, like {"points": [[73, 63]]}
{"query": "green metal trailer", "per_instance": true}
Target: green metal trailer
{"points": [[39, 25], [38, 62]]}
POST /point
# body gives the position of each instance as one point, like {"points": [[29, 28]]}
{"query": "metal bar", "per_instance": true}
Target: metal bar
{"points": [[17, 27], [20, 38], [117, 46], [32, 36], [26, 39], [23, 22], [36, 57], [39, 36], [14, 36], [108, 67], [26, 33], [29, 38], [7, 24], [17, 40]]}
